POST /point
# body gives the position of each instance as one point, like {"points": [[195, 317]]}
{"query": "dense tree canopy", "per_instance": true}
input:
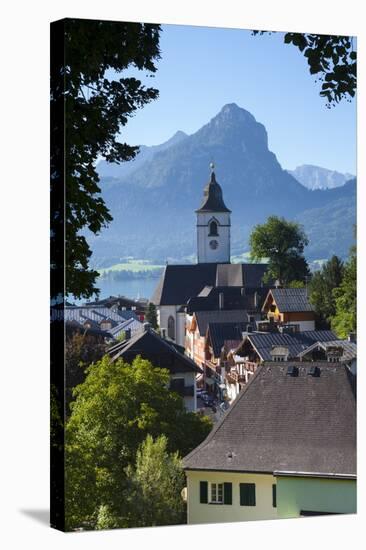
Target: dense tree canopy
{"points": [[332, 59], [345, 319], [321, 289], [94, 102], [282, 243], [115, 409], [151, 315], [81, 349], [156, 483]]}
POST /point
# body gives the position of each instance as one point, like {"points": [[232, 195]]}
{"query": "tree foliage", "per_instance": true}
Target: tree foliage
{"points": [[81, 350], [345, 319], [115, 409], [321, 289], [332, 59], [156, 483], [151, 316], [282, 242], [96, 103]]}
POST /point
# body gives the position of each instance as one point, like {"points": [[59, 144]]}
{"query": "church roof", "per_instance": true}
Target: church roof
{"points": [[212, 197], [179, 283]]}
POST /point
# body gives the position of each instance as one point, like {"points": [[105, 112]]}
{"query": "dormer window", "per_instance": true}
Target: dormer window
{"points": [[213, 229], [279, 353]]}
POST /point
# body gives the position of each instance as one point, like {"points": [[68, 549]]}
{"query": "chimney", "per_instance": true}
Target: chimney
{"points": [[221, 300], [147, 327], [127, 333], [256, 300], [352, 337], [242, 291]]}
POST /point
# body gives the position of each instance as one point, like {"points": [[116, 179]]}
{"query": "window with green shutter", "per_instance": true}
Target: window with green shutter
{"points": [[274, 496], [247, 494], [203, 492], [228, 493]]}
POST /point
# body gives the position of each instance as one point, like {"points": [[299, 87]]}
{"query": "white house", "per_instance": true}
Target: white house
{"points": [[285, 448]]}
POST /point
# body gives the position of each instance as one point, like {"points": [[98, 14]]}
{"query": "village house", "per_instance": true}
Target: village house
{"points": [[163, 354], [196, 332], [108, 324], [121, 303], [256, 348], [190, 284], [286, 448], [290, 307], [219, 338]]}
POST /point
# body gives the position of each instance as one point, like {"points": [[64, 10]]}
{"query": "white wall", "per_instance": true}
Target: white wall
{"points": [[219, 513], [205, 254], [190, 402], [163, 314]]}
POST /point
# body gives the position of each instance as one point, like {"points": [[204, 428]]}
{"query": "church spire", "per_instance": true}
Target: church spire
{"points": [[212, 196], [213, 225]]}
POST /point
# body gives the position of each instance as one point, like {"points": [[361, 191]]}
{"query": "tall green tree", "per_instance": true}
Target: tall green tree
{"points": [[321, 289], [156, 483], [345, 319], [282, 243], [115, 409], [332, 58], [81, 349], [92, 97], [151, 316]]}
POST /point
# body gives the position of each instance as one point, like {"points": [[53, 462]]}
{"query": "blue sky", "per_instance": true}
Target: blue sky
{"points": [[201, 69]]}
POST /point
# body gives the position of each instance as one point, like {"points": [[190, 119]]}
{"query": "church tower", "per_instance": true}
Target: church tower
{"points": [[213, 225]]}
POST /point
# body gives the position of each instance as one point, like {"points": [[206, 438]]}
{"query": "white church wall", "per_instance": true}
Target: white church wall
{"points": [[205, 253]]}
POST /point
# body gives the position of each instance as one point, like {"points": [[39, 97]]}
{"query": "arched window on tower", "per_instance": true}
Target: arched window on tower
{"points": [[213, 229], [171, 328]]}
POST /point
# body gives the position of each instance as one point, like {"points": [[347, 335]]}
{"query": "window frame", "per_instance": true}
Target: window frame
{"points": [[217, 492], [211, 232]]}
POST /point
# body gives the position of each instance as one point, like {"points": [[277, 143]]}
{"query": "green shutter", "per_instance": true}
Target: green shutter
{"points": [[228, 493], [274, 496], [247, 494], [203, 492]]}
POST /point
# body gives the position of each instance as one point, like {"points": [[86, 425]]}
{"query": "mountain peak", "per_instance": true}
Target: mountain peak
{"points": [[232, 109]]}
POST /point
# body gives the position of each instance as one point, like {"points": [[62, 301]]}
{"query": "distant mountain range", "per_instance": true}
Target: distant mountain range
{"points": [[315, 177], [153, 198]]}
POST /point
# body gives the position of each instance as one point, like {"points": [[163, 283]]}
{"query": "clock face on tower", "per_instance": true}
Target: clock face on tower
{"points": [[214, 244]]}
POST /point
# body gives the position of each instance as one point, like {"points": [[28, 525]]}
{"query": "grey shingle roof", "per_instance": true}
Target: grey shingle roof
{"points": [[349, 348], [96, 314], [160, 352], [280, 422], [203, 318], [263, 342], [179, 283], [219, 333], [291, 299], [129, 324]]}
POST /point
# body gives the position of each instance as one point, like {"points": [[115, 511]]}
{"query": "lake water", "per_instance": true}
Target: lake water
{"points": [[134, 288]]}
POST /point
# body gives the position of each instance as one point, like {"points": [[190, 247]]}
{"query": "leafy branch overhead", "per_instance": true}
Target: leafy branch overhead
{"points": [[89, 85], [332, 58]]}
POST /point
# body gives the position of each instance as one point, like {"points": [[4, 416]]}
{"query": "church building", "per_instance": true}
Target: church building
{"points": [[181, 283]]}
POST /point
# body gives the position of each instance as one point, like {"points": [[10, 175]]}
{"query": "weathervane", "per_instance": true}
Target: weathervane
{"points": [[212, 166]]}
